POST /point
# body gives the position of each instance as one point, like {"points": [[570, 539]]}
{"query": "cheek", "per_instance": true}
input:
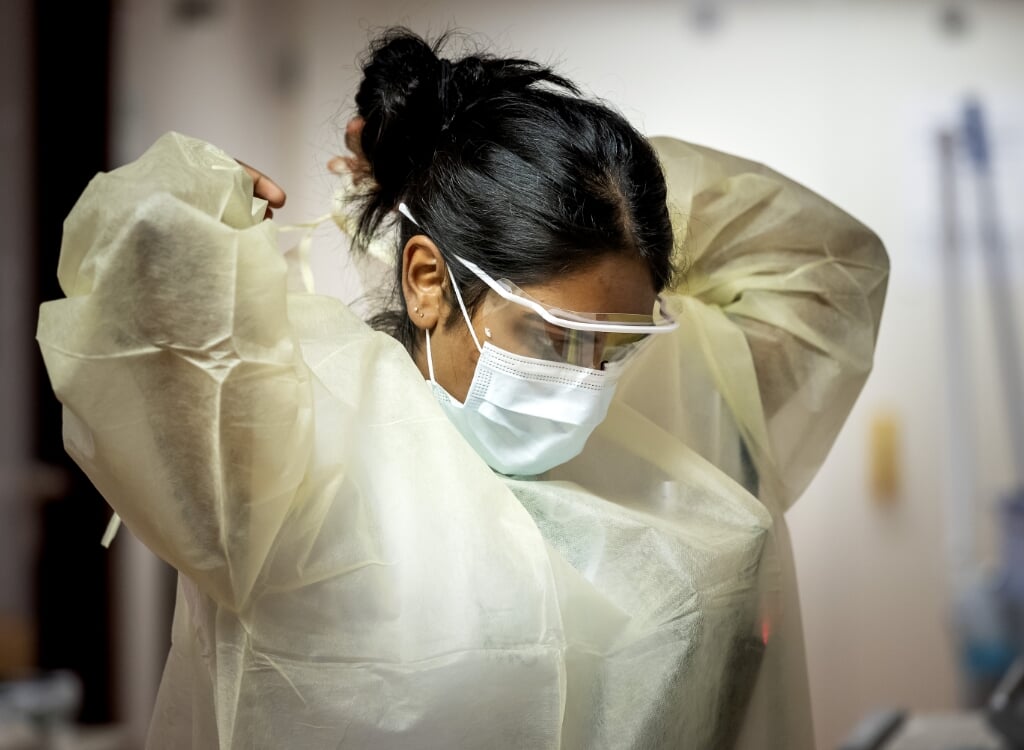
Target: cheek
{"points": [[455, 360], [464, 360], [469, 355]]}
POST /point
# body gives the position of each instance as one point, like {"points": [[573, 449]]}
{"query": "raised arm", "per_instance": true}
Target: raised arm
{"points": [[787, 291], [186, 401]]}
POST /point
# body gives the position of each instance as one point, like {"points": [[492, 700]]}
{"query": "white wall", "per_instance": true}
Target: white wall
{"points": [[840, 95]]}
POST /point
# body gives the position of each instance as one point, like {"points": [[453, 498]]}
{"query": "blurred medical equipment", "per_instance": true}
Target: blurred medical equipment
{"points": [[895, 730], [989, 615], [999, 727], [39, 712], [1006, 707], [989, 609]]}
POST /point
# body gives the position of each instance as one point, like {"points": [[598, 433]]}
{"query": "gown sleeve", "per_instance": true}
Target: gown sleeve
{"points": [[186, 400], [785, 293]]}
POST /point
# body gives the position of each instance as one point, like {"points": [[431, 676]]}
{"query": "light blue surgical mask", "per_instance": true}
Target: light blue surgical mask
{"points": [[523, 415]]}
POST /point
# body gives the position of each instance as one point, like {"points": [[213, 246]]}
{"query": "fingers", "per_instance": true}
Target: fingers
{"points": [[266, 188], [354, 136], [356, 164], [338, 165]]}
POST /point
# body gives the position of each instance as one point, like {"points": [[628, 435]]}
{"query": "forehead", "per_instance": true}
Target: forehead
{"points": [[614, 283]]}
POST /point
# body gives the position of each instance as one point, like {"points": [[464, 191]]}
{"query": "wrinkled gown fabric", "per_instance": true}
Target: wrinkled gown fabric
{"points": [[351, 573]]}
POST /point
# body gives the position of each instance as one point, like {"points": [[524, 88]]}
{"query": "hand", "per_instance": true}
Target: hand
{"points": [[356, 164], [266, 188]]}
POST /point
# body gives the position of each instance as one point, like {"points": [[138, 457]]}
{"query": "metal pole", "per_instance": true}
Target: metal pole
{"points": [[998, 271]]}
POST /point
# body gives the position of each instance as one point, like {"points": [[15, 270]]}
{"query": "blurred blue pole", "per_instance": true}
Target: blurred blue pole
{"points": [[997, 268], [1005, 595]]}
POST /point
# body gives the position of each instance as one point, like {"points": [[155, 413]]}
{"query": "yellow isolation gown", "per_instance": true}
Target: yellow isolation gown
{"points": [[353, 575]]}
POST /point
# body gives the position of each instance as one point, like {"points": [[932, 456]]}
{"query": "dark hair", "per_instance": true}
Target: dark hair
{"points": [[503, 163]]}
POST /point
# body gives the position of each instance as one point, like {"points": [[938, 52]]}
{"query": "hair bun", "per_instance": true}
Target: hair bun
{"points": [[401, 100], [414, 104]]}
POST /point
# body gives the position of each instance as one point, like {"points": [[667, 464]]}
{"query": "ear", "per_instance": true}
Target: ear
{"points": [[424, 275]]}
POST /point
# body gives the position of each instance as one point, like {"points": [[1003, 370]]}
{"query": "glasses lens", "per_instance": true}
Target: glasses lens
{"points": [[571, 316], [619, 347], [519, 330]]}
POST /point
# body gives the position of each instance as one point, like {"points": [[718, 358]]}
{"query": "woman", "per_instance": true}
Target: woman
{"points": [[547, 510]]}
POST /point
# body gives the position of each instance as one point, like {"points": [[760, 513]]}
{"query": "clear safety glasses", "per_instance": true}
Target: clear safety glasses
{"points": [[516, 322]]}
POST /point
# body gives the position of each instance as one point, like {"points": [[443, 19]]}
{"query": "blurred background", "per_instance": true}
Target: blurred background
{"points": [[909, 114]]}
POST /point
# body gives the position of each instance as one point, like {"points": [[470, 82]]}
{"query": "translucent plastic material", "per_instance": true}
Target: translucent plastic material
{"points": [[352, 573], [518, 328]]}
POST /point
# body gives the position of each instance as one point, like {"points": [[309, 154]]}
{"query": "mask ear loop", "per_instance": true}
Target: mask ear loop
{"points": [[404, 210], [462, 306], [430, 360], [465, 315]]}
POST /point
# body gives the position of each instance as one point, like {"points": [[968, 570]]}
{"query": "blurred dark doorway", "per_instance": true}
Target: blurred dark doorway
{"points": [[71, 60]]}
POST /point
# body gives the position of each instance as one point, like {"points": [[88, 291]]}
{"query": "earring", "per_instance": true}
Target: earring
{"points": [[417, 310]]}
